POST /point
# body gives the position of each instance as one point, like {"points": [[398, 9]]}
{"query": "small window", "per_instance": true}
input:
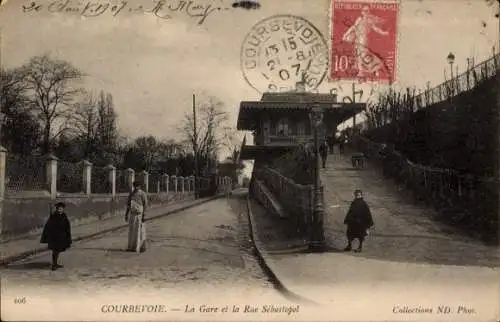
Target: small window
{"points": [[282, 128], [301, 128]]}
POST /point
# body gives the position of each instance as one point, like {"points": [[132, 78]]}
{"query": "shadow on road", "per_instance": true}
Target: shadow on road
{"points": [[30, 266], [111, 250]]}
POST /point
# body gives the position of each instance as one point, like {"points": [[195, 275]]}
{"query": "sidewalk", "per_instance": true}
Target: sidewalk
{"points": [[408, 259], [20, 248]]}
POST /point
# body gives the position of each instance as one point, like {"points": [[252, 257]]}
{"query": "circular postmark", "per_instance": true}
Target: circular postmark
{"points": [[282, 50]]}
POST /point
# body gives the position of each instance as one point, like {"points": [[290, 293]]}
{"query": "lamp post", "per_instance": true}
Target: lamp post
{"points": [[451, 60], [3, 116], [195, 150], [317, 239]]}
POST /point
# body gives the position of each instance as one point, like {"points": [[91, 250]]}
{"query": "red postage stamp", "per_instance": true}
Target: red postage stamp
{"points": [[363, 40]]}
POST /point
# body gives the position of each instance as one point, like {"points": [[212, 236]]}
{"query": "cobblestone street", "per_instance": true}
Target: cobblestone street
{"points": [[200, 254]]}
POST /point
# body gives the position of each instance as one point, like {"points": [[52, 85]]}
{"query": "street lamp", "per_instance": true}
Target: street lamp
{"points": [[451, 60], [3, 116], [317, 239]]}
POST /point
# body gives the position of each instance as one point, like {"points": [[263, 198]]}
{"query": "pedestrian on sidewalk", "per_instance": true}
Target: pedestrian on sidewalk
{"points": [[135, 216], [323, 151], [341, 141], [57, 233], [358, 220]]}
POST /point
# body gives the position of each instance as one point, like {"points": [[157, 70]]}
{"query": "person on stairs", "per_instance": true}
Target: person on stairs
{"points": [[358, 220], [57, 233]]}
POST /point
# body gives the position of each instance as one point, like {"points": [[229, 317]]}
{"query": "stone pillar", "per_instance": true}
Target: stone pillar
{"points": [[174, 183], [112, 179], [165, 178], [51, 172], [87, 177], [145, 180], [181, 184], [130, 178]]}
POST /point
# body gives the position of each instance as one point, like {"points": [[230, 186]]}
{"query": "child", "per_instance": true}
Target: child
{"points": [[57, 233], [358, 220]]}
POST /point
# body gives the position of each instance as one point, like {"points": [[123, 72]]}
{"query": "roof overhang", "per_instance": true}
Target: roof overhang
{"points": [[250, 111]]}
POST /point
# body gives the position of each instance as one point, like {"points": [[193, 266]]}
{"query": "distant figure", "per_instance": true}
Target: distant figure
{"points": [[358, 220], [135, 216], [331, 143], [57, 233], [323, 151], [342, 139]]}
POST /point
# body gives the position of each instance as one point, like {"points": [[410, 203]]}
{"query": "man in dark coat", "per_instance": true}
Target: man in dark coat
{"points": [[323, 151], [57, 233], [358, 220]]}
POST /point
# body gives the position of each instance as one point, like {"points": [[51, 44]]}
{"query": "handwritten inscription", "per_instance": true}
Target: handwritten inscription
{"points": [[162, 9]]}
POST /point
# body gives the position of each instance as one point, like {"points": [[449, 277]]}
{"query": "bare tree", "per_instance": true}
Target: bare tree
{"points": [[51, 85], [213, 131], [20, 130], [147, 147], [84, 123], [94, 123]]}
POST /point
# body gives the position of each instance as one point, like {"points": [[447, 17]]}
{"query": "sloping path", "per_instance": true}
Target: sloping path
{"points": [[410, 260], [404, 231]]}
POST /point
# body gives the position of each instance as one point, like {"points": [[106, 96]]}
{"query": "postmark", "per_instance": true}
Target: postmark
{"points": [[280, 50], [363, 40]]}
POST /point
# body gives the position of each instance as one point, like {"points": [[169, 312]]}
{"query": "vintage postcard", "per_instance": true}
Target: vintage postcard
{"points": [[257, 160]]}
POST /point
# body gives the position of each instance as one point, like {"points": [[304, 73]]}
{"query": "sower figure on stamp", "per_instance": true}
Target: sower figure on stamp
{"points": [[358, 220], [135, 216], [358, 34], [57, 233]]}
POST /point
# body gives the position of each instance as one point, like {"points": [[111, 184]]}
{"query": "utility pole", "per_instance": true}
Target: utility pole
{"points": [[195, 150]]}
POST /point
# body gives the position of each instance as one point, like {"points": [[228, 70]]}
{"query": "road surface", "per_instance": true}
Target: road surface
{"points": [[201, 256]]}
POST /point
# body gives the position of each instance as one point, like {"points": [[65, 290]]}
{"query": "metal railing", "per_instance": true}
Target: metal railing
{"points": [[459, 84], [465, 199]]}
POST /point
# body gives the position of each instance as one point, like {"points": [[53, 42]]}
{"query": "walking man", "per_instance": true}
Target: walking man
{"points": [[136, 208], [358, 220], [323, 151]]}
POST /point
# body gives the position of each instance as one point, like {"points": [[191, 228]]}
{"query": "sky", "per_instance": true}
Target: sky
{"points": [[153, 65]]}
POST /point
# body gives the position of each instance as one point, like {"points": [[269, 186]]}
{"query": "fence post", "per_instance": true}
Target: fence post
{"points": [[165, 181], [112, 179], [87, 177], [51, 167], [181, 183], [130, 178], [174, 181], [145, 180], [3, 156]]}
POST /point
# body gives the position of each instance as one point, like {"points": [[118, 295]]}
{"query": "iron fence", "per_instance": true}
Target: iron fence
{"points": [[25, 173], [70, 177]]}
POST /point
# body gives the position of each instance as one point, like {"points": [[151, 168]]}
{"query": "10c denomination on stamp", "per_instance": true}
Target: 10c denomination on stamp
{"points": [[280, 50], [364, 40]]}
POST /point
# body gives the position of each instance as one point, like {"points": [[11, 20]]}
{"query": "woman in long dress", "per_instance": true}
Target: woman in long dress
{"points": [[136, 208]]}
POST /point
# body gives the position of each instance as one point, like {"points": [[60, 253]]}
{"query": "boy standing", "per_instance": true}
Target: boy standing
{"points": [[57, 233], [358, 220]]}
